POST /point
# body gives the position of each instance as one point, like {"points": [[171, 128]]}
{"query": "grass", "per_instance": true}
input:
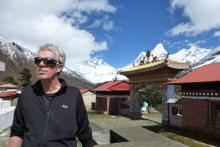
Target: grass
{"points": [[185, 140], [97, 115], [186, 137]]}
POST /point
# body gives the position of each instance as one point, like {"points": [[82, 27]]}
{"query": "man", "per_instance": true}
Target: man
{"points": [[50, 113]]}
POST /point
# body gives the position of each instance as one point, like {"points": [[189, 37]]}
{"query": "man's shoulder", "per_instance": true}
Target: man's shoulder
{"points": [[73, 88], [27, 88], [35, 88]]}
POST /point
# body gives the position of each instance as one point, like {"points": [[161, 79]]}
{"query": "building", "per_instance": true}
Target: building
{"points": [[113, 98], [160, 72], [6, 110], [89, 98], [200, 92], [8, 94], [6, 99], [4, 86]]}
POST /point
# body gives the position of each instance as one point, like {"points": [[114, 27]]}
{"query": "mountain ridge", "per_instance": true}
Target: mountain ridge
{"points": [[191, 55], [17, 58], [95, 70]]}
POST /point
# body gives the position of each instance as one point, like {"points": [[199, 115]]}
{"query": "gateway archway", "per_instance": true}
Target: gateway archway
{"points": [[161, 71]]}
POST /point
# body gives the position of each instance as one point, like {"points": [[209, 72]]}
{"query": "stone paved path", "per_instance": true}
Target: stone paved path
{"points": [[119, 124], [4, 137]]}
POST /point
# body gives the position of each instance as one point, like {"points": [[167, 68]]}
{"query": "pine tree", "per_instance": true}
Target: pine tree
{"points": [[10, 79], [25, 77]]}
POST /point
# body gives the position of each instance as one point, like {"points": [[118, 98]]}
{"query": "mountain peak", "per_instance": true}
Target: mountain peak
{"points": [[159, 50], [190, 55], [94, 62], [96, 70]]}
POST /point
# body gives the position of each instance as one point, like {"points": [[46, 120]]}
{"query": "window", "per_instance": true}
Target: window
{"points": [[100, 100], [124, 103], [176, 111], [217, 110], [216, 114], [124, 106], [123, 99]]}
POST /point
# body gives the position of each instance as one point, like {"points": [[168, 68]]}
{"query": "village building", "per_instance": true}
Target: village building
{"points": [[113, 98], [157, 71], [200, 101], [8, 92], [5, 86], [89, 98], [6, 109]]}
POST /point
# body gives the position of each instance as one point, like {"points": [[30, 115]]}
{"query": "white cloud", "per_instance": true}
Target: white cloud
{"points": [[108, 25], [104, 22], [217, 34], [203, 15], [33, 23], [93, 5]]}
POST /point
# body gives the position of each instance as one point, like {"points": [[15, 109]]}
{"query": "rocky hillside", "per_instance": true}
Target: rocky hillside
{"points": [[17, 58]]}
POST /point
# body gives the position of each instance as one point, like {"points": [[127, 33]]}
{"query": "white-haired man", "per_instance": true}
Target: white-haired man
{"points": [[50, 113]]}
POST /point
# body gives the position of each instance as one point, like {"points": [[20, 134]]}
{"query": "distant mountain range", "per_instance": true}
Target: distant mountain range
{"points": [[97, 71], [191, 55], [94, 71]]}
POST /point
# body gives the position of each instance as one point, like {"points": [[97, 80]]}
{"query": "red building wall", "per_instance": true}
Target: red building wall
{"points": [[113, 106], [101, 104], [196, 116]]}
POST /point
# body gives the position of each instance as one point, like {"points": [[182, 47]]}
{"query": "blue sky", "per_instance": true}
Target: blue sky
{"points": [[141, 25], [116, 31]]}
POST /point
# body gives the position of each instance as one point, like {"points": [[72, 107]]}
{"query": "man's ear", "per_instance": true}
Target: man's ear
{"points": [[60, 67]]}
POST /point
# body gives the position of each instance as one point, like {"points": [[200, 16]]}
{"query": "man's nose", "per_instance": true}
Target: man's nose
{"points": [[41, 63]]}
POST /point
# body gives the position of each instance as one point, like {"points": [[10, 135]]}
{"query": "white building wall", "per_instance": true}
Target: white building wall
{"points": [[88, 98], [6, 117], [175, 120], [4, 104], [6, 114]]}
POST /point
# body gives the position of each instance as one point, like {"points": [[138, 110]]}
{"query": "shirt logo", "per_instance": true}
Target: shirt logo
{"points": [[65, 106]]}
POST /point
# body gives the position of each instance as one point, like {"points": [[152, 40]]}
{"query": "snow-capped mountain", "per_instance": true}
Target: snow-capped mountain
{"points": [[212, 57], [159, 51], [97, 71], [192, 55], [140, 57], [14, 50]]}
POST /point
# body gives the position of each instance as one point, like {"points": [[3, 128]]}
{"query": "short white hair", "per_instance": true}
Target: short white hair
{"points": [[60, 55]]}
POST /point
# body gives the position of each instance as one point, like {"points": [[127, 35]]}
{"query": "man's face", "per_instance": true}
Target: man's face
{"points": [[47, 71]]}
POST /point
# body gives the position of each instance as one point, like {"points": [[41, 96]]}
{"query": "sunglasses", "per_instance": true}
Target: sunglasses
{"points": [[46, 61]]}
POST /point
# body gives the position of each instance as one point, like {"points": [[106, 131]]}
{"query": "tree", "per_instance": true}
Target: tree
{"points": [[10, 79], [25, 77], [151, 93]]}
